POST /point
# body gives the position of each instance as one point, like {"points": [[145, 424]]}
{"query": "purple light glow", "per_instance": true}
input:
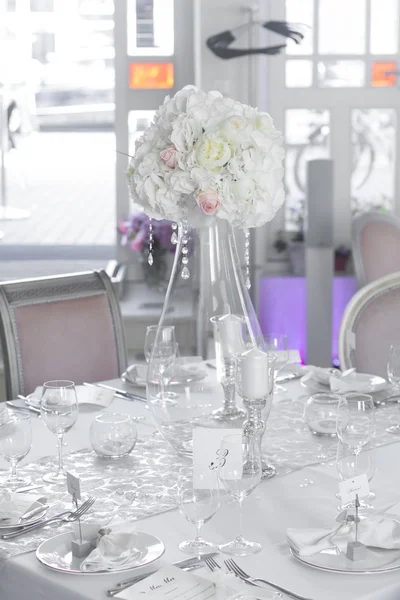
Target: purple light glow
{"points": [[283, 308]]}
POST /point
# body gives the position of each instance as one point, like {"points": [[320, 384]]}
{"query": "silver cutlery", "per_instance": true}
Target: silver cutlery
{"points": [[28, 488], [190, 564], [288, 377], [120, 392], [212, 564], [26, 407], [211, 366], [67, 517], [29, 514], [234, 568]]}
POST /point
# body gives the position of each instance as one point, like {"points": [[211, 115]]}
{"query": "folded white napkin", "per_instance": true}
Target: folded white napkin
{"points": [[91, 395], [13, 505], [114, 550], [350, 381], [379, 531]]}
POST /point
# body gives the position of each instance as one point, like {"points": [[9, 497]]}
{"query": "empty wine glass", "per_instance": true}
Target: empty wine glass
{"points": [[350, 465], [59, 410], [355, 424], [198, 503], [393, 372], [278, 344], [239, 473], [15, 443], [160, 349]]}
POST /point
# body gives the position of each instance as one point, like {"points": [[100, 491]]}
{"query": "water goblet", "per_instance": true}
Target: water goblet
{"points": [[255, 385], [356, 424], [198, 502], [278, 344], [350, 465], [239, 473], [59, 410], [15, 443], [393, 372]]}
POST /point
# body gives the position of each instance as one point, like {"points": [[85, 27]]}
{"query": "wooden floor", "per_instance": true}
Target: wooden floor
{"points": [[67, 180]]}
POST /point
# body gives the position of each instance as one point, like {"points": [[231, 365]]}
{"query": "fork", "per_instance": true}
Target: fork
{"points": [[234, 568], [67, 516], [212, 564]]}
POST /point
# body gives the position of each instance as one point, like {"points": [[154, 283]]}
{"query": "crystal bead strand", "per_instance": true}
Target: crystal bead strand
{"points": [[174, 236], [185, 273], [150, 259], [247, 258]]}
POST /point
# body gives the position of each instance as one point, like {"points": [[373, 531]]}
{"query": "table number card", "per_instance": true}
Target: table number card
{"points": [[74, 486], [207, 454], [350, 487]]}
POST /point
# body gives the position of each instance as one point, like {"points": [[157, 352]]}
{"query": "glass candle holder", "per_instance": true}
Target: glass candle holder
{"points": [[255, 384], [113, 435], [320, 413]]}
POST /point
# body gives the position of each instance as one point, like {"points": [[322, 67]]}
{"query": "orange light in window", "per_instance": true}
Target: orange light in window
{"points": [[151, 75], [382, 75]]}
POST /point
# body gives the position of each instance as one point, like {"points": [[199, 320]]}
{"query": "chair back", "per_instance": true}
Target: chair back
{"points": [[63, 327], [376, 245], [370, 325]]}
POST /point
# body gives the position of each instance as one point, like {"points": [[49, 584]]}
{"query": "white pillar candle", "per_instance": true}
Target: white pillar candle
{"points": [[230, 334], [254, 374]]}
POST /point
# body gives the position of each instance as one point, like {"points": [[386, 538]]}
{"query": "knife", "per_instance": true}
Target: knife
{"points": [[188, 562], [27, 407], [32, 513], [120, 392]]}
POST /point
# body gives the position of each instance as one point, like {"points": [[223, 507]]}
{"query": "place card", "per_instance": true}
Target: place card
{"points": [[349, 488], [207, 455], [74, 486], [171, 583]]}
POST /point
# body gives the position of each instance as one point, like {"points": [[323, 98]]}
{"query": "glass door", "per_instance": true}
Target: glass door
{"points": [[337, 95]]}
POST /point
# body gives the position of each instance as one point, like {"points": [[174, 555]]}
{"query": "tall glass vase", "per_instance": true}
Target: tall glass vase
{"points": [[214, 319]]}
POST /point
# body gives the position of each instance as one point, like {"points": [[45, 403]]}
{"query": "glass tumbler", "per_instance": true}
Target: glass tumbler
{"points": [[320, 413], [113, 435]]}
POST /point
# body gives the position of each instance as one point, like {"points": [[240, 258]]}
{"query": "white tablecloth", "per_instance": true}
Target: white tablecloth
{"points": [[305, 498]]}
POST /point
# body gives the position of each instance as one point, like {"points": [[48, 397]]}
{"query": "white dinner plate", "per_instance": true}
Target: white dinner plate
{"points": [[56, 554], [189, 373], [364, 382], [13, 524], [376, 560]]}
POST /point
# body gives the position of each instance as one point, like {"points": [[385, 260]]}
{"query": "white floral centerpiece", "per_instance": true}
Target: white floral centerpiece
{"points": [[205, 154]]}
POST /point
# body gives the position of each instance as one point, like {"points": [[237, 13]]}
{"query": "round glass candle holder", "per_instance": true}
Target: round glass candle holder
{"points": [[113, 435], [320, 413]]}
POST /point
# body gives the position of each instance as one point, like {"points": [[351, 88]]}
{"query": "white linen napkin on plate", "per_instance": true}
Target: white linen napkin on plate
{"points": [[87, 395], [13, 505], [379, 531], [114, 550], [185, 367]]}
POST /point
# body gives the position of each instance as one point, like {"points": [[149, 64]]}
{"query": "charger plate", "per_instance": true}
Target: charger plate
{"points": [[377, 560], [56, 554]]}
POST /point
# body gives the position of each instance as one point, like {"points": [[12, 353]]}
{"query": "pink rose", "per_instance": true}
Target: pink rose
{"points": [[139, 241], [123, 227], [169, 156], [208, 201]]}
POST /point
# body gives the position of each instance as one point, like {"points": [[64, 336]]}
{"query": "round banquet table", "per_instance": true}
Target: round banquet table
{"points": [[303, 498]]}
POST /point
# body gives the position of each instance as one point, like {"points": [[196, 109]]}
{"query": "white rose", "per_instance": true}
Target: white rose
{"points": [[233, 127], [243, 189], [212, 152]]}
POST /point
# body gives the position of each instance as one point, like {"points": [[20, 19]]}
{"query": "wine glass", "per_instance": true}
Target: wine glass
{"points": [[393, 372], [198, 503], [59, 410], [350, 465], [278, 344], [355, 423], [160, 350], [239, 473], [15, 443]]}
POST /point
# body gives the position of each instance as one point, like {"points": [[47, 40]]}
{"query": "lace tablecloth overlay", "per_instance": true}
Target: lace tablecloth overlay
{"points": [[145, 483]]}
